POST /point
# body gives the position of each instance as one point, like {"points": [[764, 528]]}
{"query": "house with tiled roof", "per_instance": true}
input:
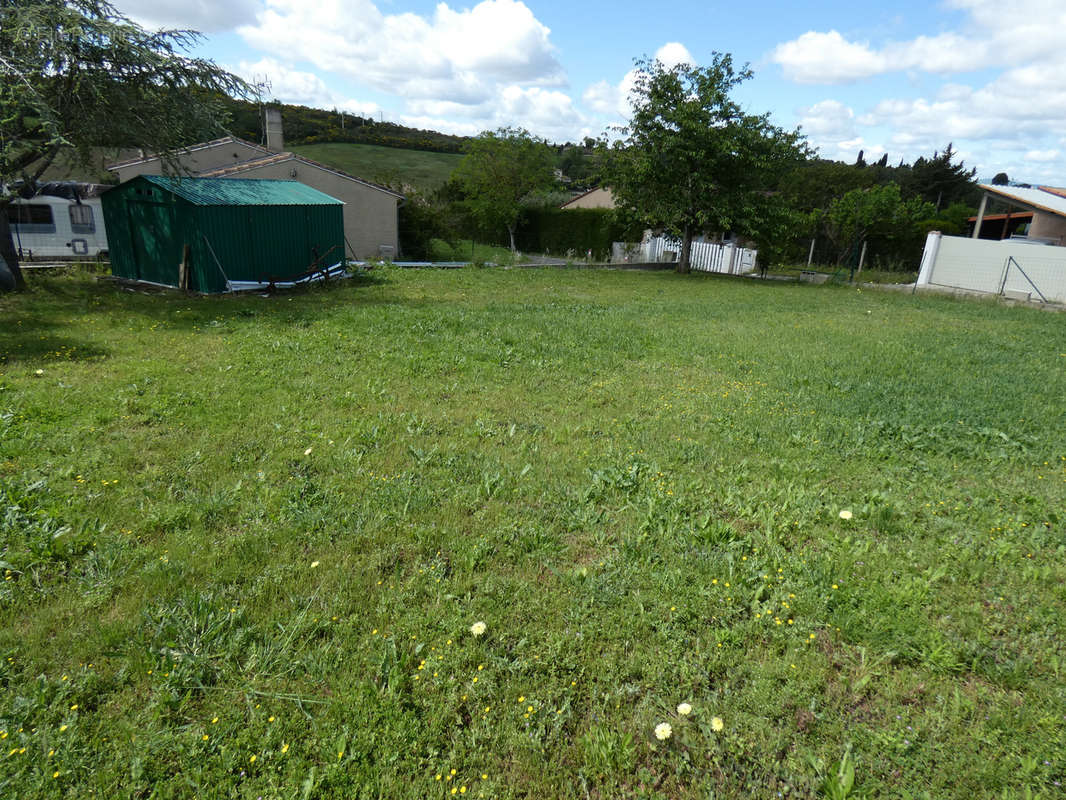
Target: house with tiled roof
{"points": [[600, 197], [193, 160]]}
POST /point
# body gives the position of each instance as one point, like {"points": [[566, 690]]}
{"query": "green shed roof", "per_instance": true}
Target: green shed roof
{"points": [[242, 192]]}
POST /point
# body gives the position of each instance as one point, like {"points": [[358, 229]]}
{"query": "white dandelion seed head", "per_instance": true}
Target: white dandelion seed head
{"points": [[845, 514], [478, 628], [663, 731], [684, 709]]}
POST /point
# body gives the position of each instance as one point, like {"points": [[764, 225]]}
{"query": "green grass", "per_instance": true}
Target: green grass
{"points": [[245, 540], [390, 165], [471, 252]]}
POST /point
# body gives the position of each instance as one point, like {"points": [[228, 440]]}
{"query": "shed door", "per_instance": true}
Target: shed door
{"points": [[156, 243]]}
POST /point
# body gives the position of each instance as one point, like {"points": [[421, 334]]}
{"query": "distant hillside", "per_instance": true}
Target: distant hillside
{"points": [[389, 165], [303, 125]]}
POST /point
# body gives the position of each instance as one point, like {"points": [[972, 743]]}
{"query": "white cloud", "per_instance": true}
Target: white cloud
{"points": [[997, 33], [300, 88], [208, 16], [460, 56], [829, 119], [612, 99], [830, 126], [826, 58], [545, 112], [672, 54], [1011, 122], [1041, 156]]}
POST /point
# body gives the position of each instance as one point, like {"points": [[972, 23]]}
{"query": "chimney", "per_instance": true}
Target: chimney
{"points": [[275, 143]]}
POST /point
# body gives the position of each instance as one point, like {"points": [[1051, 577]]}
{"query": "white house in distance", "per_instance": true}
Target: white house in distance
{"points": [[371, 227]]}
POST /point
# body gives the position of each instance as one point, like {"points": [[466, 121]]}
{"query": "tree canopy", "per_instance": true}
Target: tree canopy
{"points": [[500, 170], [77, 74], [876, 213], [692, 161]]}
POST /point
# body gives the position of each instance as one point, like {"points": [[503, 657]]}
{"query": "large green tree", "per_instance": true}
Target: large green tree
{"points": [[877, 214], [501, 169], [941, 181], [76, 75], [691, 160]]}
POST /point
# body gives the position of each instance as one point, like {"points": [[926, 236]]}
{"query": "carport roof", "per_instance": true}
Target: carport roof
{"points": [[1045, 198], [242, 191]]}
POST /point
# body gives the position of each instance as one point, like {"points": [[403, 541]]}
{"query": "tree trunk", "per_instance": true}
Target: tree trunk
{"points": [[510, 230], [8, 251], [683, 263]]}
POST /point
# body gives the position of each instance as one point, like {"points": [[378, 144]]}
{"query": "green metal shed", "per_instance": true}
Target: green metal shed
{"points": [[221, 229]]}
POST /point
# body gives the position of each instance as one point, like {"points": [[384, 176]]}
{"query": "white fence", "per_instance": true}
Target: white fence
{"points": [[704, 257], [1012, 268]]}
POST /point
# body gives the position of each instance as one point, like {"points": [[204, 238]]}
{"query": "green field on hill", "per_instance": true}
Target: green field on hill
{"points": [[530, 533], [388, 165]]}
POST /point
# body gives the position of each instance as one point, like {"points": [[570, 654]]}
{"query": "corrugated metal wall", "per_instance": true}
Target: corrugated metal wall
{"points": [[146, 244], [247, 243], [257, 243]]}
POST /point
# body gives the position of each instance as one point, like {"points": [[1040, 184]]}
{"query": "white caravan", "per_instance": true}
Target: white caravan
{"points": [[63, 220]]}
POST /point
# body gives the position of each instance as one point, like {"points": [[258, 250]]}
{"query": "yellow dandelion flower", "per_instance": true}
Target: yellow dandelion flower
{"points": [[845, 514], [284, 748], [663, 731], [717, 724], [684, 709], [251, 760]]}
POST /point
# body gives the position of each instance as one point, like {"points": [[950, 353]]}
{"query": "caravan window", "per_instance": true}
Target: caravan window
{"points": [[31, 218], [81, 219]]}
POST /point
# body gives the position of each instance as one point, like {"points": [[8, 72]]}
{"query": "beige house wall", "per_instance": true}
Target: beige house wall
{"points": [[1048, 226], [597, 198], [215, 156], [370, 215]]}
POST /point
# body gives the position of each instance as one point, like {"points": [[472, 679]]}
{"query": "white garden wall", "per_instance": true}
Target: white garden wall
{"points": [[1010, 267]]}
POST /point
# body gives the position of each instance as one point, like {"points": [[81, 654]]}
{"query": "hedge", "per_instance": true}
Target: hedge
{"points": [[556, 231]]}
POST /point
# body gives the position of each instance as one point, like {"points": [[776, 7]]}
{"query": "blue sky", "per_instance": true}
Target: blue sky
{"points": [[903, 78]]}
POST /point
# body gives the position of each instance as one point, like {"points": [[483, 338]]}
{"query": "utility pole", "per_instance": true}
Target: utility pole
{"points": [[261, 85]]}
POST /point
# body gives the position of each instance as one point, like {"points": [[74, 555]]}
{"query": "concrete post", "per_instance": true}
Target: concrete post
{"points": [[980, 217]]}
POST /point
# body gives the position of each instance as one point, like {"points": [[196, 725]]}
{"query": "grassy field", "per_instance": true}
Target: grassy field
{"points": [[390, 165], [247, 542]]}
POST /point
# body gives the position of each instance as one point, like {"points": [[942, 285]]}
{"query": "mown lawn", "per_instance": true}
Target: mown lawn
{"points": [[245, 540]]}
